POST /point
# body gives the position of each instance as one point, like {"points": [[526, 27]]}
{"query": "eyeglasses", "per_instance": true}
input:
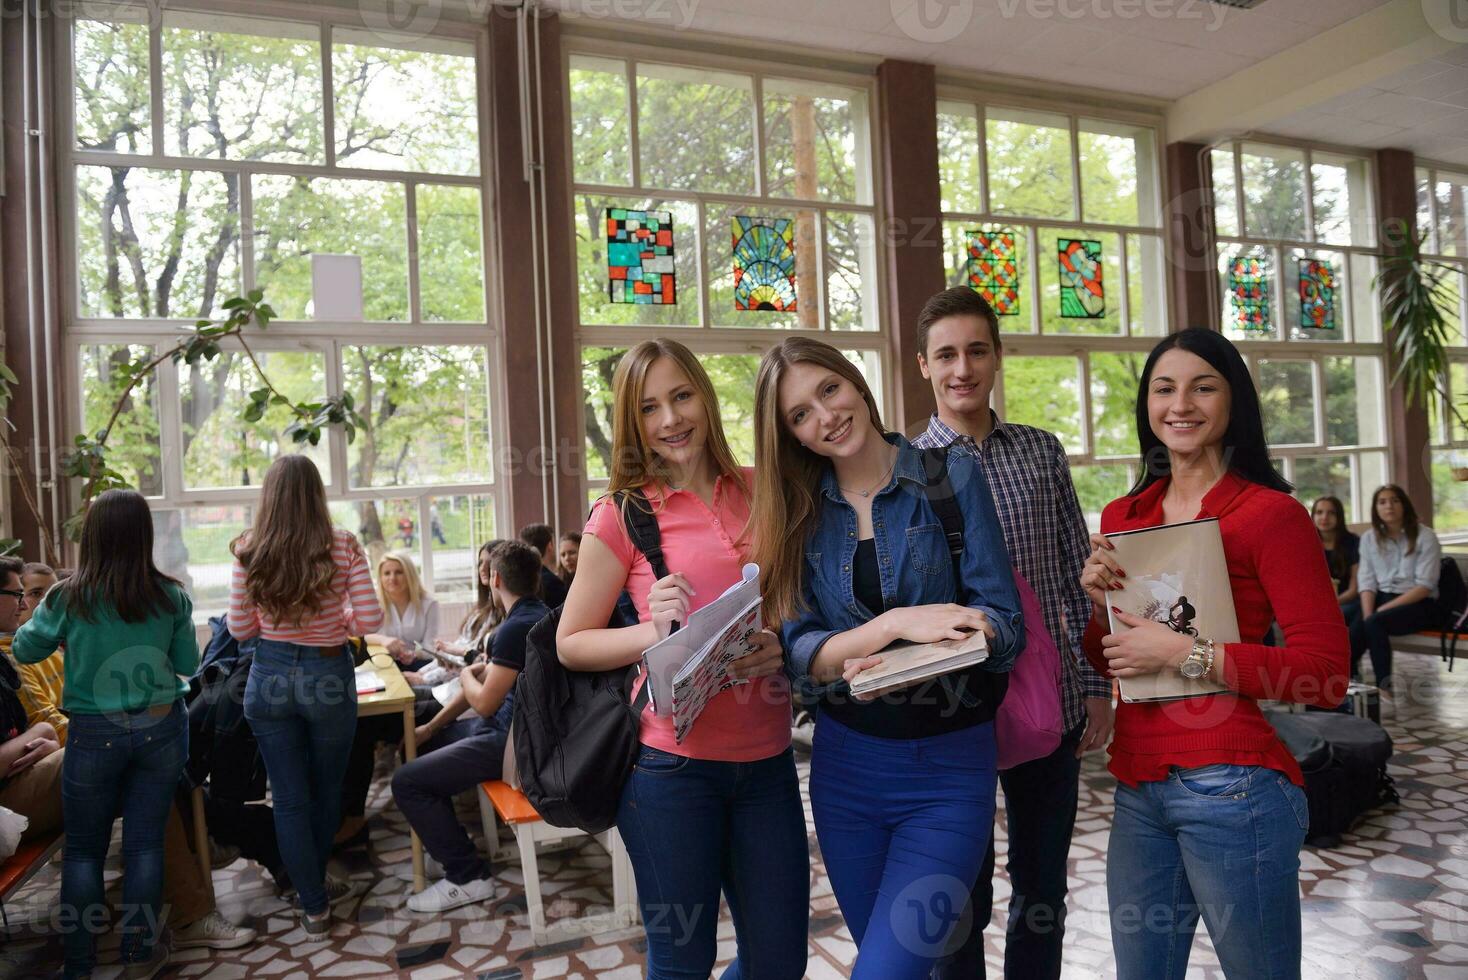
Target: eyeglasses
{"points": [[13, 592]]}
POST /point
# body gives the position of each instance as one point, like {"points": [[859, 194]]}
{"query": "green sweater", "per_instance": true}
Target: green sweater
{"points": [[113, 665]]}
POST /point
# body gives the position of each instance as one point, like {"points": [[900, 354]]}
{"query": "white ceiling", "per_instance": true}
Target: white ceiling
{"points": [[1160, 49]]}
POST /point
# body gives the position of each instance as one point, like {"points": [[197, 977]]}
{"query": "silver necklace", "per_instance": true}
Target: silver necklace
{"points": [[880, 483]]}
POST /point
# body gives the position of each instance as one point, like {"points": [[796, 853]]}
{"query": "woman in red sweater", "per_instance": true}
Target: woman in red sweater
{"points": [[1210, 813]]}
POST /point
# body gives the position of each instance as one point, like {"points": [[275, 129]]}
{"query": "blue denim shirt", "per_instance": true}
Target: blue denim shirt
{"points": [[912, 556]]}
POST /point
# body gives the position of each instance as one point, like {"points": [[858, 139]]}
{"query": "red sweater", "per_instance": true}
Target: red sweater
{"points": [[1276, 568]]}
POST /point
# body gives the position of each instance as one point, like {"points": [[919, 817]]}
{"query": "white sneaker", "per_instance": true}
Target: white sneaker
{"points": [[443, 895], [213, 931]]}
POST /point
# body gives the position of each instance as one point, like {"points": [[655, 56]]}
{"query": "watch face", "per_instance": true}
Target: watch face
{"points": [[1192, 669]]}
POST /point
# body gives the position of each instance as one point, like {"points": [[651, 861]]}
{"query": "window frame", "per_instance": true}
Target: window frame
{"points": [[325, 335], [704, 337], [1282, 347]]}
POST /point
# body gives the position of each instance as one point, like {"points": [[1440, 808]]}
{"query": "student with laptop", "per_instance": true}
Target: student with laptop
{"points": [[961, 353], [1210, 813]]}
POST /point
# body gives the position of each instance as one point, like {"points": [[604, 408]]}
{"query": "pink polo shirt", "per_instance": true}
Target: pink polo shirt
{"points": [[745, 723]]}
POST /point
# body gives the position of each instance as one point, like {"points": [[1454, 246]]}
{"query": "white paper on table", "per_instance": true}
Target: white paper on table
{"points": [[368, 681], [691, 666]]}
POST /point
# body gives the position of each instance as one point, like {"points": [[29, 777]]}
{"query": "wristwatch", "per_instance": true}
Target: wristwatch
{"points": [[1198, 663]]}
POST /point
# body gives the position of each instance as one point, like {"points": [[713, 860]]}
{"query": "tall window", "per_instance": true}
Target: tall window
{"points": [[1296, 257], [1056, 220], [339, 171], [1442, 218], [722, 207]]}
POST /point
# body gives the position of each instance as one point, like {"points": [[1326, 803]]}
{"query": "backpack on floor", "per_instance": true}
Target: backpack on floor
{"points": [[1028, 724], [576, 733], [1344, 762]]}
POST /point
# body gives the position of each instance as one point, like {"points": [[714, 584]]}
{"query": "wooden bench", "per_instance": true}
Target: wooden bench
{"points": [[498, 799], [22, 866]]}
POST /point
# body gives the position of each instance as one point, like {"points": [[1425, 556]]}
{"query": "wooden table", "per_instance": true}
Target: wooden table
{"points": [[397, 696]]}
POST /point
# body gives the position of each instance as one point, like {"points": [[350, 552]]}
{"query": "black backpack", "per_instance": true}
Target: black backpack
{"points": [[1343, 759], [576, 733]]}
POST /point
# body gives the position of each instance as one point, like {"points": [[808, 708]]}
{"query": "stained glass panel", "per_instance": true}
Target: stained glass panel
{"points": [[993, 268], [1248, 289], [1317, 294], [640, 257], [764, 263], [1082, 293]]}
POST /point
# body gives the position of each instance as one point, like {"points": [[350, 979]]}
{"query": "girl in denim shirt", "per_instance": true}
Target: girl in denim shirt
{"points": [[854, 559]]}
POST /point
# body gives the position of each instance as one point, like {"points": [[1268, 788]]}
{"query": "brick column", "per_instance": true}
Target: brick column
{"points": [[907, 107], [1396, 203], [1191, 260]]}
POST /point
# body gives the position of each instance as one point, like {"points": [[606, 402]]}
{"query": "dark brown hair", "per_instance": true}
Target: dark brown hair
{"points": [[518, 566], [958, 301], [538, 536], [1335, 559], [1409, 515], [10, 566], [115, 568]]}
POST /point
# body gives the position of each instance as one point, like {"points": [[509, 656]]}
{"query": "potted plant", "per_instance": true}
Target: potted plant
{"points": [[1415, 292]]}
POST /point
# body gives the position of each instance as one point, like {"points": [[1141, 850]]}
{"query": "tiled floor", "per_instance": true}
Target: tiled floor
{"points": [[1392, 902]]}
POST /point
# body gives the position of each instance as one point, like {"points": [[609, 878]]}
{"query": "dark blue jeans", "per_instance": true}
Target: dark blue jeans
{"points": [[124, 764], [1040, 805], [693, 827], [302, 707], [903, 826], [1374, 633], [424, 790]]}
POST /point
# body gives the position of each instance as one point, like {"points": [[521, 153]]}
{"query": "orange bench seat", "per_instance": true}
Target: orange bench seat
{"points": [[509, 803]]}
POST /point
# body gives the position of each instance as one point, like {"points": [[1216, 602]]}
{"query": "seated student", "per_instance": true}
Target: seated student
{"points": [[481, 621], [425, 788], [30, 752], [541, 538], [567, 553], [410, 615], [1400, 564], [36, 580], [1342, 552]]}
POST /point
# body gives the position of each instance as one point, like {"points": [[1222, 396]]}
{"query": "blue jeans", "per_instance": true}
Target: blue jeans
{"points": [[1218, 842], [127, 764], [693, 827], [302, 707], [903, 825]]}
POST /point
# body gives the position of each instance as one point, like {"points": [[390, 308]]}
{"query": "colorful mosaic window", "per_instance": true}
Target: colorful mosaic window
{"points": [[1248, 287], [993, 269], [1317, 294], [640, 257], [764, 263], [1082, 294]]}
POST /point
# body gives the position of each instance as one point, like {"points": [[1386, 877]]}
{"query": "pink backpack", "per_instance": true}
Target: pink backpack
{"points": [[1028, 724]]}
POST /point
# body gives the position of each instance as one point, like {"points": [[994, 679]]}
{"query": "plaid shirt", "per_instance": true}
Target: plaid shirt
{"points": [[1045, 533]]}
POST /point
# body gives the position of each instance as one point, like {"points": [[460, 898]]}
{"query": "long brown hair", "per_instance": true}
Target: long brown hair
{"points": [[115, 567], [1335, 559], [634, 463], [787, 475], [1409, 516], [287, 553]]}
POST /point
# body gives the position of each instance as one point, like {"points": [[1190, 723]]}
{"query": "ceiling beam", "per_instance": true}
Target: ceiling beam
{"points": [[1361, 51]]}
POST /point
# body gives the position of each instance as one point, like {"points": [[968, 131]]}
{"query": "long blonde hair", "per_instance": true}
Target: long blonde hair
{"points": [[787, 475], [410, 572], [286, 554], [634, 463]]}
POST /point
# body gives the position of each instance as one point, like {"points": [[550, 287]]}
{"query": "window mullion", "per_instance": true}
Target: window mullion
{"points": [[328, 97], [336, 438], [155, 82]]}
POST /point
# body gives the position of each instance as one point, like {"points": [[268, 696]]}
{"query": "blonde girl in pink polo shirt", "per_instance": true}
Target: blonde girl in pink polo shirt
{"points": [[721, 811]]}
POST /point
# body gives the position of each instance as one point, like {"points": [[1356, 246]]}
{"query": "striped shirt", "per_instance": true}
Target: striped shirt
{"points": [[1045, 533], [349, 609]]}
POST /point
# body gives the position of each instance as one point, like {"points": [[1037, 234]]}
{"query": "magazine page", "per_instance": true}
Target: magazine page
{"points": [[690, 666], [908, 663], [1177, 576]]}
